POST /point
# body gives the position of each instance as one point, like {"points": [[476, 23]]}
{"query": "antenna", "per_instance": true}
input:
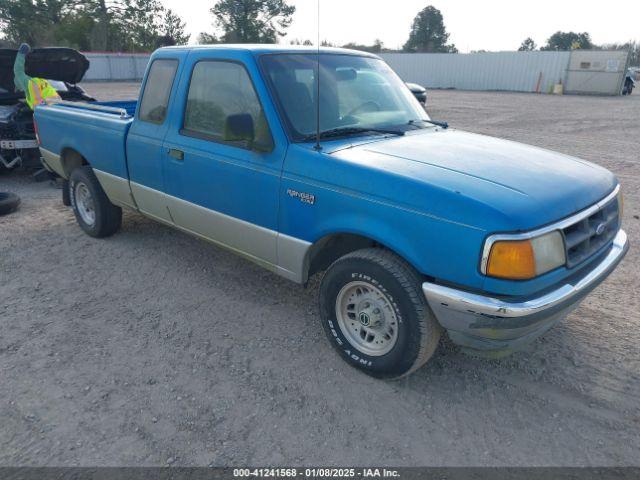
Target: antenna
{"points": [[318, 147]]}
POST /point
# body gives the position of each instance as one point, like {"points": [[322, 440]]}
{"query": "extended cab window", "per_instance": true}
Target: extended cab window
{"points": [[157, 90], [217, 91]]}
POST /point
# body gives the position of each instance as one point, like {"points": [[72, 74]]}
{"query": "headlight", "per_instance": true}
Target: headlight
{"points": [[523, 259]]}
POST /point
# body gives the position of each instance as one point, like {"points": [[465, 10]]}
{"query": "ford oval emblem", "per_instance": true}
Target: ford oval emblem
{"points": [[365, 319], [600, 229]]}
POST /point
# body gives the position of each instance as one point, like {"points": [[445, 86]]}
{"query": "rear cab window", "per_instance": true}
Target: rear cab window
{"points": [[157, 90]]}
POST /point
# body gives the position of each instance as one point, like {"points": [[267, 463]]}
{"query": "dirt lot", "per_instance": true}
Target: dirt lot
{"points": [[153, 347]]}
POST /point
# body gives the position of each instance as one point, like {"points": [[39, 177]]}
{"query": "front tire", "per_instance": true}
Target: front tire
{"points": [[375, 314], [95, 214]]}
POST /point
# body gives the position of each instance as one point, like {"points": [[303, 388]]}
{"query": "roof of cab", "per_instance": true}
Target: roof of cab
{"points": [[259, 49]]}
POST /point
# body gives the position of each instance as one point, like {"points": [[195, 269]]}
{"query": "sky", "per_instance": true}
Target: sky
{"points": [[474, 25]]}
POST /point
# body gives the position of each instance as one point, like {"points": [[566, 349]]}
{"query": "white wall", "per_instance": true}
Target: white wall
{"points": [[116, 66], [506, 71], [509, 71], [596, 72]]}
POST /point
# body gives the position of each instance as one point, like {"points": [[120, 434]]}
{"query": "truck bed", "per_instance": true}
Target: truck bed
{"points": [[96, 130]]}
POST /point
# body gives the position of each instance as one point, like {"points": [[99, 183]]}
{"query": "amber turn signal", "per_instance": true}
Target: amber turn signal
{"points": [[526, 258], [514, 260]]}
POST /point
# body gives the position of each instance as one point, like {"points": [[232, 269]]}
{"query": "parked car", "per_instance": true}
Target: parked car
{"points": [[415, 226], [64, 68], [419, 92]]}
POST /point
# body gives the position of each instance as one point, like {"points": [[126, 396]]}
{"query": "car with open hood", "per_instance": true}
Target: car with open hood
{"points": [[64, 68], [310, 162]]}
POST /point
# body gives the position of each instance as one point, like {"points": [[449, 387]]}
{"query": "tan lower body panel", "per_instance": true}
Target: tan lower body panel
{"points": [[276, 252], [151, 202], [116, 188], [292, 258], [237, 234], [53, 161]]}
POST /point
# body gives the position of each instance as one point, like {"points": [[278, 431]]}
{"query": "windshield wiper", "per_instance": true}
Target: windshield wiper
{"points": [[346, 131], [432, 122]]}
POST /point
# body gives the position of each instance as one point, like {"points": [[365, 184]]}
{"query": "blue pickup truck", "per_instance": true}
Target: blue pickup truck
{"points": [[308, 162]]}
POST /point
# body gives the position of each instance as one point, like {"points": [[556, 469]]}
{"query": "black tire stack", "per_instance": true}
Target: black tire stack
{"points": [[8, 202]]}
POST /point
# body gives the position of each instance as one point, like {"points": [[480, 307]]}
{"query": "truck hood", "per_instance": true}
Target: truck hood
{"points": [[524, 186], [63, 64]]}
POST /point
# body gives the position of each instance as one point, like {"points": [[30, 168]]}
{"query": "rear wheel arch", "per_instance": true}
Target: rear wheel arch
{"points": [[72, 159]]}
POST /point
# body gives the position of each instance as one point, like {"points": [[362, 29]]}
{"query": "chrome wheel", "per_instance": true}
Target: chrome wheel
{"points": [[366, 318], [84, 204]]}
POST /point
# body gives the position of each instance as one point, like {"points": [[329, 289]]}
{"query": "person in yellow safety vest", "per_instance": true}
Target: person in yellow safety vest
{"points": [[36, 90]]}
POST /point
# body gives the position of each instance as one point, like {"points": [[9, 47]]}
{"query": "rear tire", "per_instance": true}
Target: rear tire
{"points": [[95, 214], [375, 314]]}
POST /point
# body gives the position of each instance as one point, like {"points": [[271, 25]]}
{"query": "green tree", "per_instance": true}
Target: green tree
{"points": [[632, 46], [74, 31], [527, 45], [306, 43], [252, 21], [109, 25], [31, 21], [207, 39], [568, 41], [428, 33], [173, 30], [141, 20], [377, 47]]}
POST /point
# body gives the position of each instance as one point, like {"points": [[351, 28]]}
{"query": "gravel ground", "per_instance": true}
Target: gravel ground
{"points": [[154, 348]]}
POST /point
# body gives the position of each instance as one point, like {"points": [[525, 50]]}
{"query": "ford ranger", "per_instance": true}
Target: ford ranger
{"points": [[308, 162]]}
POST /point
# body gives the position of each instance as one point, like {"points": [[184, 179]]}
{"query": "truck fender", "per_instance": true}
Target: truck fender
{"points": [[332, 246]]}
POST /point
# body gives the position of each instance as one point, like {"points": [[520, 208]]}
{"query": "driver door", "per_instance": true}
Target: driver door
{"points": [[225, 191]]}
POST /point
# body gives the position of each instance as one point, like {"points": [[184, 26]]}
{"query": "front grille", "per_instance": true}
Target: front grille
{"points": [[588, 236]]}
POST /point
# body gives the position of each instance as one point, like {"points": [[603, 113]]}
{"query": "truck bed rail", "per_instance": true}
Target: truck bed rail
{"points": [[122, 112]]}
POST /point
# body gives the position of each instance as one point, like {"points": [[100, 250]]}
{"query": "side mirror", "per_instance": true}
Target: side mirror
{"points": [[239, 128], [346, 74]]}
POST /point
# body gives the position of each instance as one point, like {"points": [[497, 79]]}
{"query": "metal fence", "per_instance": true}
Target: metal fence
{"points": [[509, 71], [116, 66], [581, 71]]}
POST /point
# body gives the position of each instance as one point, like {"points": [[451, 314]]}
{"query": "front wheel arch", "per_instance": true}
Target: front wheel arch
{"points": [[333, 246]]}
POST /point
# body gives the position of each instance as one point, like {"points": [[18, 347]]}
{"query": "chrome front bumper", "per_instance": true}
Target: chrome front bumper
{"points": [[493, 325]]}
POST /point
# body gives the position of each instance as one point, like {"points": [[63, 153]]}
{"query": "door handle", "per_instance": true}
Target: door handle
{"points": [[177, 154]]}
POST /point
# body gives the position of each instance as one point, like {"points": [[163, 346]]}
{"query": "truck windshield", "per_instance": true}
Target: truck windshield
{"points": [[358, 95]]}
